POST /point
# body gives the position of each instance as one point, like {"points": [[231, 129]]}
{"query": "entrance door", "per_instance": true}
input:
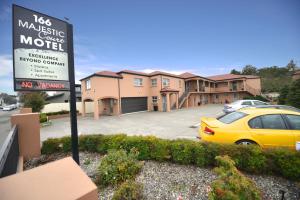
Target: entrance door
{"points": [[111, 106], [164, 102]]}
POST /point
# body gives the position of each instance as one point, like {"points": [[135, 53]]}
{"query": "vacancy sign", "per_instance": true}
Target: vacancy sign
{"points": [[40, 48]]}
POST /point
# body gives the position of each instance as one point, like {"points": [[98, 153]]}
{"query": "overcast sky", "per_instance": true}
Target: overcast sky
{"points": [[204, 37]]}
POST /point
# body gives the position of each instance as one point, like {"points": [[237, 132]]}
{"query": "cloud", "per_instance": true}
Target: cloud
{"points": [[6, 65]]}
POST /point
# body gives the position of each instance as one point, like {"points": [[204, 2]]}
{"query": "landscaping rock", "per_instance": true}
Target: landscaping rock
{"points": [[170, 181]]}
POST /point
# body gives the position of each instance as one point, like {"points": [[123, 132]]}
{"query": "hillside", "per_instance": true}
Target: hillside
{"points": [[272, 78]]}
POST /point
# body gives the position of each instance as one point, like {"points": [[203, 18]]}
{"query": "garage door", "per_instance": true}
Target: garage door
{"points": [[133, 104]]}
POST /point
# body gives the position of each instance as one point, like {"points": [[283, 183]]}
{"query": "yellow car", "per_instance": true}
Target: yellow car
{"points": [[266, 127]]}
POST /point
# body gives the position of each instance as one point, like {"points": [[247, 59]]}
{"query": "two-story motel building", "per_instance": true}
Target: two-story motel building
{"points": [[127, 91]]}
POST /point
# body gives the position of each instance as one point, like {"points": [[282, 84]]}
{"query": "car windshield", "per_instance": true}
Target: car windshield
{"points": [[231, 117]]}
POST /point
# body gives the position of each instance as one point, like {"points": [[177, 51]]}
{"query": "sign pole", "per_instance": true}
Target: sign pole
{"points": [[73, 111]]}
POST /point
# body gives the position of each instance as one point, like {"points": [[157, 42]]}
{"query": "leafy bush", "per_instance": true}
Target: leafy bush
{"points": [[182, 152], [34, 100], [129, 190], [43, 118], [118, 166], [253, 159], [231, 184], [293, 96], [62, 112], [284, 163], [51, 145]]}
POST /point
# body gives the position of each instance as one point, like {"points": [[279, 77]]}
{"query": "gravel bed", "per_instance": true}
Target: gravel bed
{"points": [[169, 181]]}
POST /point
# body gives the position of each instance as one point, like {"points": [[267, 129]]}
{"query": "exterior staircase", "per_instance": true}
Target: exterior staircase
{"points": [[182, 98]]}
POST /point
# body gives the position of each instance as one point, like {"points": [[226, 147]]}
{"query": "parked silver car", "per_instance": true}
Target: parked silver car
{"points": [[228, 108]]}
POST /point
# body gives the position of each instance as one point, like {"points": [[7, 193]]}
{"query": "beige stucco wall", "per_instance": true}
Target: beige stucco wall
{"points": [[128, 89], [254, 83], [55, 107], [100, 87], [62, 179], [28, 134]]}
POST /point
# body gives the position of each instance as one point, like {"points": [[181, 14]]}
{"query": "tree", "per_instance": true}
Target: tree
{"points": [[283, 95], [249, 70], [234, 71], [291, 66], [34, 100], [293, 96]]}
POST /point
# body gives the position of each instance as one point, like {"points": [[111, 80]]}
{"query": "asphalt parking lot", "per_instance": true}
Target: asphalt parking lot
{"points": [[168, 125]]}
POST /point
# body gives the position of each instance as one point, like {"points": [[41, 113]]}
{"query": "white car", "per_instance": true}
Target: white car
{"points": [[9, 107], [228, 108]]}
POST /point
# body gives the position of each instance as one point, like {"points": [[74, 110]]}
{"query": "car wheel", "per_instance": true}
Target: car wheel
{"points": [[245, 142]]}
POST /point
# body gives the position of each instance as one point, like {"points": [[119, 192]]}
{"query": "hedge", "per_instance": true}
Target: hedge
{"points": [[62, 112], [251, 159]]}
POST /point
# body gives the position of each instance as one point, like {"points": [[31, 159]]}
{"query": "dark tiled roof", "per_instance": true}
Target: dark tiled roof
{"points": [[163, 73], [187, 75], [132, 72], [108, 73], [167, 89]]}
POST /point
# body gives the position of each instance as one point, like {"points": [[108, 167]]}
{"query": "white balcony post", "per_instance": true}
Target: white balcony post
{"points": [[198, 85]]}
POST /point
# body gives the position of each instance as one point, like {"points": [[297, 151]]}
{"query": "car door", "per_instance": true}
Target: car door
{"points": [[271, 131], [294, 125]]}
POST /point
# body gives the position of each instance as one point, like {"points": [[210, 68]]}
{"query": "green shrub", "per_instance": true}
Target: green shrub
{"points": [[182, 151], [129, 190], [231, 184], [159, 149], [89, 142], [284, 162], [66, 144], [251, 158], [43, 118], [51, 145], [118, 166]]}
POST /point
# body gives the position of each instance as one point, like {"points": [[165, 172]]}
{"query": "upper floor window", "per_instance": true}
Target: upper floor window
{"points": [[154, 99], [138, 81], [154, 82], [166, 82], [88, 84], [206, 83]]}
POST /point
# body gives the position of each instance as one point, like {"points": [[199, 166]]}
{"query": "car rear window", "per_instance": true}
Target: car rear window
{"points": [[231, 117]]}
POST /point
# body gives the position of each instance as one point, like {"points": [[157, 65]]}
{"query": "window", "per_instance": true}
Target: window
{"points": [[255, 123], [166, 82], [206, 83], [138, 81], [154, 82], [294, 121], [231, 117], [154, 99], [272, 122], [247, 103], [258, 103], [88, 84]]}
